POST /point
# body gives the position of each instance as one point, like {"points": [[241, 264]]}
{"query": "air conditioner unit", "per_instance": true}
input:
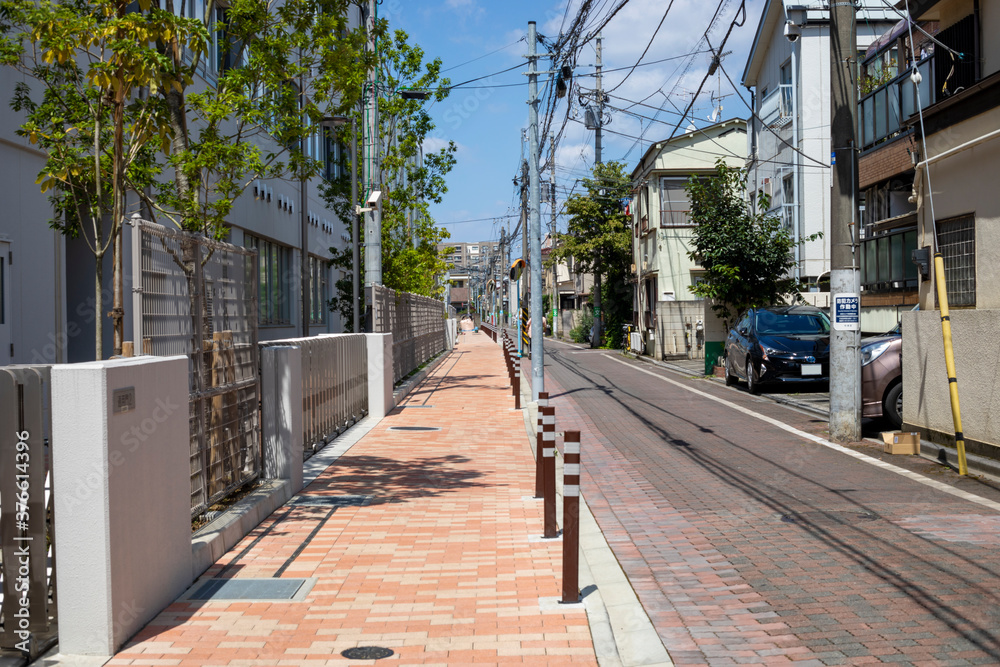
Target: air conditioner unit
{"points": [[768, 188]]}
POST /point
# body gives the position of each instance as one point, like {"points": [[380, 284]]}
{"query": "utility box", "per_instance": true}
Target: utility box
{"points": [[901, 443]]}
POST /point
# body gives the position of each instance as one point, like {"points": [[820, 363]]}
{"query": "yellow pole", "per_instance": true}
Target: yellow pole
{"points": [[949, 360]]}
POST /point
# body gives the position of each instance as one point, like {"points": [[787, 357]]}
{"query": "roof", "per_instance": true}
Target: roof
{"points": [[714, 131]]}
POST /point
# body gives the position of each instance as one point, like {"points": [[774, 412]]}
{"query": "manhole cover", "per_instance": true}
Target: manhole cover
{"points": [[414, 428], [248, 589], [366, 653], [307, 500], [830, 517]]}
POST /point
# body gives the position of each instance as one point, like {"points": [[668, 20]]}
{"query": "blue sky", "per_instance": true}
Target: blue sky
{"points": [[486, 119]]}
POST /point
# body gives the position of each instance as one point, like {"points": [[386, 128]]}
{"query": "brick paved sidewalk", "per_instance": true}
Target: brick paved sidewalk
{"points": [[437, 566]]}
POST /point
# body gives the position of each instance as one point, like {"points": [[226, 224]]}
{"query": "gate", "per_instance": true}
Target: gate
{"points": [[27, 569], [198, 298]]}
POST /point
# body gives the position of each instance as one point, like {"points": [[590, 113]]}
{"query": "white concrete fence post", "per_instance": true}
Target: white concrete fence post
{"points": [[122, 492], [281, 413], [380, 374]]}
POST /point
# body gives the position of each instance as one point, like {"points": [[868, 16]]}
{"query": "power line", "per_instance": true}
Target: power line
{"points": [[485, 55], [646, 50]]}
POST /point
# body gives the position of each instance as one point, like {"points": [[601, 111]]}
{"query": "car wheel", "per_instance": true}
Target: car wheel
{"points": [[751, 383], [892, 406], [731, 378]]}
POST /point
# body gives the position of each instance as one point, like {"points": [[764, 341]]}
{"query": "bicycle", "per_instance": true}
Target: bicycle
{"points": [[627, 331]]}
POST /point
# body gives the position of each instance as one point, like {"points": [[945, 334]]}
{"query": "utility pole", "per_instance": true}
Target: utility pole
{"points": [[552, 226], [599, 113], [355, 239], [845, 369], [600, 102], [373, 217], [523, 284], [535, 241]]}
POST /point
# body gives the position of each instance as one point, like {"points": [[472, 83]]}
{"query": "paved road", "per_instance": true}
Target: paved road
{"points": [[751, 544]]}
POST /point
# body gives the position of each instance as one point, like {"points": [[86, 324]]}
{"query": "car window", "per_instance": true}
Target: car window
{"points": [[792, 323]]}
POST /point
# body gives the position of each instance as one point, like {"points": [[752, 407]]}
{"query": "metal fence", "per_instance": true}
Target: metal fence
{"points": [[334, 385], [198, 298], [27, 545], [416, 323]]}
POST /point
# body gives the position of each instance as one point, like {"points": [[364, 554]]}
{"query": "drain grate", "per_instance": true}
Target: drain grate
{"points": [[414, 428], [830, 517], [307, 500], [366, 653], [248, 589]]}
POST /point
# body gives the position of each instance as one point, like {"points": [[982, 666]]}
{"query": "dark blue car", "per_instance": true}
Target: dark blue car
{"points": [[779, 344]]}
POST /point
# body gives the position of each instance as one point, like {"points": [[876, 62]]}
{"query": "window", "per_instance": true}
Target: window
{"points": [[674, 205], [957, 245], [885, 261], [318, 293], [274, 279], [786, 89], [332, 156]]}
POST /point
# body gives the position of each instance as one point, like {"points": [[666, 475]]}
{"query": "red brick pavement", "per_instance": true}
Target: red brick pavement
{"points": [[749, 545], [439, 568]]}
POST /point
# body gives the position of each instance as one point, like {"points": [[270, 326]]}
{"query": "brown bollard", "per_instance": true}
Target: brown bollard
{"points": [[571, 517], [549, 474], [517, 384], [543, 406]]}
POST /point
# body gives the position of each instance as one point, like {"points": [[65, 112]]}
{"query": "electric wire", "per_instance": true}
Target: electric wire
{"points": [[485, 55], [646, 50]]}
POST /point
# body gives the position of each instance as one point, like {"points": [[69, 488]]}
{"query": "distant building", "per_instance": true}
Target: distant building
{"points": [[470, 263]]}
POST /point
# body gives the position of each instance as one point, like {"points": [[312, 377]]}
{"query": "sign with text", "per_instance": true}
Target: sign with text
{"points": [[846, 312]]}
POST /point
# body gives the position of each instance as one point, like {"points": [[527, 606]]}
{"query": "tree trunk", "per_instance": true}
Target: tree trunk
{"points": [[99, 307]]}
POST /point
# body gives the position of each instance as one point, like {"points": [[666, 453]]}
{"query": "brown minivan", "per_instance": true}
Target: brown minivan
{"points": [[882, 377]]}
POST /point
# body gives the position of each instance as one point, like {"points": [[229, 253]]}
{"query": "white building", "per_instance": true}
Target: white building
{"points": [[47, 281], [670, 317], [790, 133]]}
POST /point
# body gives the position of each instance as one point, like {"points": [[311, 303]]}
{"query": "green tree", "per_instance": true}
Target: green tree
{"points": [[747, 256], [84, 63], [118, 107], [410, 177], [599, 241]]}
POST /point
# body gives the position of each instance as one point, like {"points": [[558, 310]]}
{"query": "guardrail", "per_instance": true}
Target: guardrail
{"points": [[334, 385]]}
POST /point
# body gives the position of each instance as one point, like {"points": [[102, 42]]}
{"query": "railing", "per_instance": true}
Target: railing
{"points": [[416, 323], [881, 113], [334, 385], [198, 298], [777, 106], [27, 571], [675, 218]]}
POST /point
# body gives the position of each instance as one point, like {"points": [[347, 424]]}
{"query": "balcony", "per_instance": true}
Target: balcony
{"points": [[883, 112], [776, 109]]}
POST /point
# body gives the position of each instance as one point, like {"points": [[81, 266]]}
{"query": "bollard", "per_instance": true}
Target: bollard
{"points": [[549, 473], [517, 385], [543, 404], [571, 517]]}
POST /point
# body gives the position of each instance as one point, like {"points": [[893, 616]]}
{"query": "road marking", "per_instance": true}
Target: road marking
{"points": [[934, 484]]}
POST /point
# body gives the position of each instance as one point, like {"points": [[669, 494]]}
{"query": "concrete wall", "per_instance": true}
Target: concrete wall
{"points": [[926, 402], [122, 498]]}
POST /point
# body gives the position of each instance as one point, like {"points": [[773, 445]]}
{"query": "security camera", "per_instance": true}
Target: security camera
{"points": [[792, 31], [374, 197]]}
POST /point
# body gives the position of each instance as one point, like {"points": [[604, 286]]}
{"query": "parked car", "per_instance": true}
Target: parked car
{"points": [[779, 344], [882, 377]]}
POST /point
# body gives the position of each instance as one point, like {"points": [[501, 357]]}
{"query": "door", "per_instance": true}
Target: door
{"points": [[5, 305]]}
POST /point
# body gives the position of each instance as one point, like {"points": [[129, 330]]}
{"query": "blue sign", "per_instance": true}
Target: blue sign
{"points": [[846, 312]]}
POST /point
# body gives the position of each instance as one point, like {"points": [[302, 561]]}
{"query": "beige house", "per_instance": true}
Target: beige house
{"points": [[958, 215], [671, 320]]}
